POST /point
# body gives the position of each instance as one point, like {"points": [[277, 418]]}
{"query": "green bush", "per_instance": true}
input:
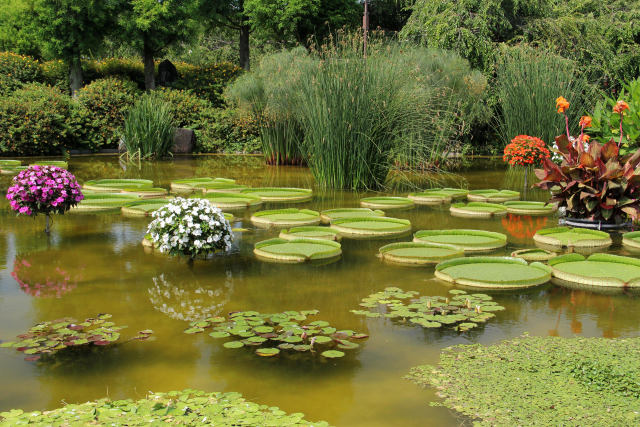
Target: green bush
{"points": [[187, 108], [106, 102], [228, 131], [122, 68], [56, 73], [207, 81], [34, 120], [17, 69], [149, 128]]}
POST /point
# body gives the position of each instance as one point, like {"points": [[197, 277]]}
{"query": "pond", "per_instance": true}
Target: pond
{"points": [[95, 264]]}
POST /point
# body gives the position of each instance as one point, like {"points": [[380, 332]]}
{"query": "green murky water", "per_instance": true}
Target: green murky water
{"points": [[95, 263]]}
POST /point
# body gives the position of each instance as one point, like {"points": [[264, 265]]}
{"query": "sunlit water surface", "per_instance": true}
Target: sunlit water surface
{"points": [[95, 264]]}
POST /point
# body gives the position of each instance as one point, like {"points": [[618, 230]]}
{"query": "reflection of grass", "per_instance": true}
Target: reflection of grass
{"points": [[514, 179]]}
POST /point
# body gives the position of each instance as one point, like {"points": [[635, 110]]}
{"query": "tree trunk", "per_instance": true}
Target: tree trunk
{"points": [[75, 76], [244, 46], [149, 67]]}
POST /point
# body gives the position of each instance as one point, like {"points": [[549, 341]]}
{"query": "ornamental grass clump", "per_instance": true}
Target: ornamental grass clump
{"points": [[149, 128], [44, 190], [190, 227]]}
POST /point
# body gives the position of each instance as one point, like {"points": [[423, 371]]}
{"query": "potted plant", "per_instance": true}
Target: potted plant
{"points": [[598, 187], [523, 153]]}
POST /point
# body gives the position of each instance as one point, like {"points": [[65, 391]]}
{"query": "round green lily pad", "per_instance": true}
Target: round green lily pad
{"points": [[270, 194], [491, 195], [468, 240], [599, 270], [116, 185], [11, 170], [530, 208], [228, 216], [143, 207], [233, 344], [190, 185], [267, 352], [232, 201], [104, 202], [493, 272], [332, 354], [387, 203], [477, 210], [9, 162], [369, 227], [565, 237], [297, 250], [310, 232], [285, 218], [534, 254], [430, 198], [418, 253], [631, 240], [146, 193], [331, 214], [57, 163], [218, 186]]}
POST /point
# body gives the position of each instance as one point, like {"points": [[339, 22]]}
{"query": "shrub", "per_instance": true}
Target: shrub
{"points": [[56, 73], [34, 121], [525, 150], [207, 81], [187, 108], [149, 128], [17, 69], [228, 130], [122, 68]]}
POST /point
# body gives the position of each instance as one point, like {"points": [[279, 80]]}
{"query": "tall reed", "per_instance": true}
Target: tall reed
{"points": [[149, 128]]}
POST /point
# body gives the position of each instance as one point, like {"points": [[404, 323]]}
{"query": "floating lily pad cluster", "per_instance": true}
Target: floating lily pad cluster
{"points": [[47, 338], [461, 311], [273, 334]]}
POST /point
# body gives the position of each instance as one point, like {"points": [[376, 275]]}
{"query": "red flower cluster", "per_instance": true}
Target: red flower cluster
{"points": [[525, 150]]}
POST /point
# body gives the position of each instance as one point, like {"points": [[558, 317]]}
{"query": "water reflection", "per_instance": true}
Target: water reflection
{"points": [[43, 276]]}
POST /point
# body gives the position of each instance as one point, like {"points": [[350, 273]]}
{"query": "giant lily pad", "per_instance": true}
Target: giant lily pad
{"points": [[631, 240], [221, 186], [329, 215], [469, 240], [371, 227], [310, 232], [47, 338], [418, 253], [493, 272], [297, 250], [459, 311], [437, 196], [9, 162], [387, 203], [145, 193], [116, 185], [11, 169], [565, 237], [57, 163], [493, 196], [285, 218], [232, 201], [143, 207], [599, 270], [530, 208], [104, 202], [191, 185], [534, 254], [477, 210], [269, 194]]}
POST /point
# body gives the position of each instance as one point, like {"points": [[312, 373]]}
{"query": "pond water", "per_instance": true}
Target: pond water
{"points": [[95, 264]]}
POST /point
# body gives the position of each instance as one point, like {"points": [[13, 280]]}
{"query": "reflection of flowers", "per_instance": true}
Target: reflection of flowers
{"points": [[42, 281], [190, 301], [523, 226]]}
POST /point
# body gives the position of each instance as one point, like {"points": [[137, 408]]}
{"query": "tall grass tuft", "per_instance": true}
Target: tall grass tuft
{"points": [[149, 128], [528, 82]]}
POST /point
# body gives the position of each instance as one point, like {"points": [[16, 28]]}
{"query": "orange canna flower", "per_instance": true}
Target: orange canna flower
{"points": [[562, 104], [620, 107], [585, 121], [585, 138]]}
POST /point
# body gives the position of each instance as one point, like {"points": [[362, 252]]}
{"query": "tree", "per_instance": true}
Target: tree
{"points": [[230, 14], [18, 28]]}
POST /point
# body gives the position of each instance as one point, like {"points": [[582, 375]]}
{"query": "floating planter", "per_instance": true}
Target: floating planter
{"points": [[297, 250], [143, 207], [418, 253], [329, 215], [57, 163], [104, 202], [190, 185], [371, 227], [232, 201], [534, 254], [285, 218], [530, 208], [47, 338], [310, 232], [599, 270], [460, 311], [468, 240], [268, 194], [493, 272], [494, 196], [565, 237], [116, 185], [387, 203], [631, 240], [477, 210], [279, 333]]}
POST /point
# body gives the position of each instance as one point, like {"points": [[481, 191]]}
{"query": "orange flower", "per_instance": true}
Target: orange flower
{"points": [[562, 104], [585, 121], [620, 107], [585, 138]]}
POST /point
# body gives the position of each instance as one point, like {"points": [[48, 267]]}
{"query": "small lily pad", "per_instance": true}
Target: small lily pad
{"points": [[267, 352], [332, 354], [219, 334], [233, 344]]}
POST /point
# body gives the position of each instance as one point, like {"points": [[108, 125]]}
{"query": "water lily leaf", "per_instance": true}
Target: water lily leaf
{"points": [[286, 346], [191, 331], [233, 344], [321, 339], [302, 347], [258, 340], [267, 352], [217, 319], [293, 339], [263, 329], [7, 344], [348, 345], [219, 334], [332, 354]]}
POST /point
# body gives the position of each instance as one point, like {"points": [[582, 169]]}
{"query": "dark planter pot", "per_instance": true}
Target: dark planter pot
{"points": [[595, 225]]}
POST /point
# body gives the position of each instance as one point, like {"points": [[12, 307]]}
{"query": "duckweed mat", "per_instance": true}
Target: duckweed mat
{"points": [[297, 250], [331, 214], [310, 232], [540, 381], [599, 270], [187, 407], [530, 208], [271, 194], [459, 311], [279, 334], [418, 253], [477, 210], [561, 237], [492, 195], [285, 217], [371, 227], [631, 240], [387, 203], [534, 254], [232, 201], [469, 240], [493, 272], [430, 198]]}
